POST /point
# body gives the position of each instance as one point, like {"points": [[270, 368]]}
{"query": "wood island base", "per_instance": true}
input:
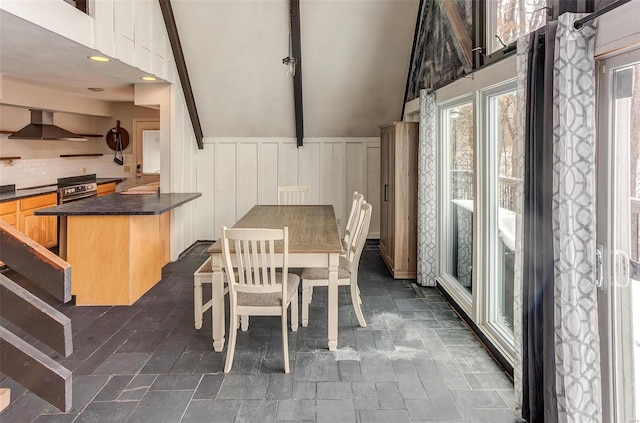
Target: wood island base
{"points": [[115, 259]]}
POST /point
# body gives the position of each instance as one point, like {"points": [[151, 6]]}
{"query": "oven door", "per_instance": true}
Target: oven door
{"points": [[75, 197]]}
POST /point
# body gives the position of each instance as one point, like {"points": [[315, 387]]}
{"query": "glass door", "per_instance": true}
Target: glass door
{"points": [[503, 180], [457, 199], [619, 235]]}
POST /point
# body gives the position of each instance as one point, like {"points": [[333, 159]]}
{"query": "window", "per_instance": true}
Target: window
{"points": [[503, 180], [458, 202], [479, 166], [509, 19], [151, 151], [618, 234]]}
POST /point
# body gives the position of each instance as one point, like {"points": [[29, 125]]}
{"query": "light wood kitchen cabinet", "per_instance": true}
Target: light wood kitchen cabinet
{"points": [[42, 229], [399, 198], [9, 213], [106, 189]]}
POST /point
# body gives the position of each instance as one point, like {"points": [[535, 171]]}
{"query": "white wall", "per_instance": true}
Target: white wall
{"points": [[134, 32], [234, 174]]}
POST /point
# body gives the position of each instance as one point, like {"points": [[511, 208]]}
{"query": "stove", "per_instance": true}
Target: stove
{"points": [[76, 188]]}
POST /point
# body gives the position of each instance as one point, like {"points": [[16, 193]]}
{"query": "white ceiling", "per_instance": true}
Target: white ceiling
{"points": [[33, 55], [355, 57]]}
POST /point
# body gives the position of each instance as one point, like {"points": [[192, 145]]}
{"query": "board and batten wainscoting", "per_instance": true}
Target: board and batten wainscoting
{"points": [[234, 174]]}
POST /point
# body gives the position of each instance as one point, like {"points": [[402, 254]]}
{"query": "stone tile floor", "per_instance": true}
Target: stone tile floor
{"points": [[415, 361]]}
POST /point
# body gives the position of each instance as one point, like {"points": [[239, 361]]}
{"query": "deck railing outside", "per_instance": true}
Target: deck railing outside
{"points": [[462, 189]]}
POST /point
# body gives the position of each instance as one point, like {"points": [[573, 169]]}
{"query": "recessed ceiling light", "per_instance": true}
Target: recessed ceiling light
{"points": [[148, 78], [96, 89], [99, 58]]}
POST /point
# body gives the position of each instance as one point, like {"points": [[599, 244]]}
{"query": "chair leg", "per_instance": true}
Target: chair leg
{"points": [[294, 313], [197, 302], [355, 299], [285, 341], [305, 305], [231, 346], [245, 322]]}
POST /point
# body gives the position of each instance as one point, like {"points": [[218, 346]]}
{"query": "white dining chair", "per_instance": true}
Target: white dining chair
{"points": [[293, 195], [257, 286], [350, 228], [347, 269]]}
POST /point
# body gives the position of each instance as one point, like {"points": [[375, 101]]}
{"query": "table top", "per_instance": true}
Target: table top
{"points": [[118, 205], [312, 229]]}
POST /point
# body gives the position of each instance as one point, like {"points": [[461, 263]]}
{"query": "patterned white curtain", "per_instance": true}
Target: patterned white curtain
{"points": [[577, 351], [521, 105], [427, 190]]}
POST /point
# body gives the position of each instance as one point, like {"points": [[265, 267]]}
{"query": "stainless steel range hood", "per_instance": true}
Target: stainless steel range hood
{"points": [[42, 128]]}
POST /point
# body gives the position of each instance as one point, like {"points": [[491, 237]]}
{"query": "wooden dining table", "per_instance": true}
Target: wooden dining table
{"points": [[314, 241]]}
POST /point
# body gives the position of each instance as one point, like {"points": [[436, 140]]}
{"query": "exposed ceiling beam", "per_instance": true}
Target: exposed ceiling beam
{"points": [[181, 65], [297, 77], [461, 35]]}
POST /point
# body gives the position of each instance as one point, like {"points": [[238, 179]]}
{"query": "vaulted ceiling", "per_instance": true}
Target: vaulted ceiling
{"points": [[355, 56]]}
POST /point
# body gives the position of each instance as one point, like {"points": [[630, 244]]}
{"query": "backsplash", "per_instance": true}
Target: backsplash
{"points": [[28, 173]]}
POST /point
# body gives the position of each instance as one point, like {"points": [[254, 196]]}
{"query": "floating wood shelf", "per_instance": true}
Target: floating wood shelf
{"points": [[82, 155], [6, 132], [11, 158]]}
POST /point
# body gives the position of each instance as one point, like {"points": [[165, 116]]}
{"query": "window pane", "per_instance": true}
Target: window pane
{"points": [[503, 128], [626, 239], [151, 151], [512, 19], [461, 183]]}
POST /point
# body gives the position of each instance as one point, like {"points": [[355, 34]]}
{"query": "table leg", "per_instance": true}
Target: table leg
{"points": [[333, 302], [217, 306]]}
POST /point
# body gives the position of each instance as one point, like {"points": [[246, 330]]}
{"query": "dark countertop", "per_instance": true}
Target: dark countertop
{"points": [[47, 189], [25, 193], [119, 204]]}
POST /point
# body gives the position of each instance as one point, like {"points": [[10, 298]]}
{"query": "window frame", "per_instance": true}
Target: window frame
{"points": [[456, 93], [487, 310], [461, 295]]}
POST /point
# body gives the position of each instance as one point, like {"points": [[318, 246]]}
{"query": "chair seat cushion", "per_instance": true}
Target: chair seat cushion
{"points": [[321, 273], [272, 299]]}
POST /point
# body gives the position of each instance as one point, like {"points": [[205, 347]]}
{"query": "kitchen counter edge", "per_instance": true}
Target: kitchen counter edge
{"points": [[121, 205]]}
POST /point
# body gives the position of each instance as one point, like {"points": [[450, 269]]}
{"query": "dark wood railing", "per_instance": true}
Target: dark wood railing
{"points": [[49, 274]]}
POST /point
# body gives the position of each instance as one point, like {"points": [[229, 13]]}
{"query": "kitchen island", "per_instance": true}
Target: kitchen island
{"points": [[116, 244]]}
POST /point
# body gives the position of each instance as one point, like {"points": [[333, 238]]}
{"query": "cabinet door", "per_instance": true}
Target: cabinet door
{"points": [[384, 186], [391, 197], [9, 213], [30, 225], [49, 230], [42, 229]]}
